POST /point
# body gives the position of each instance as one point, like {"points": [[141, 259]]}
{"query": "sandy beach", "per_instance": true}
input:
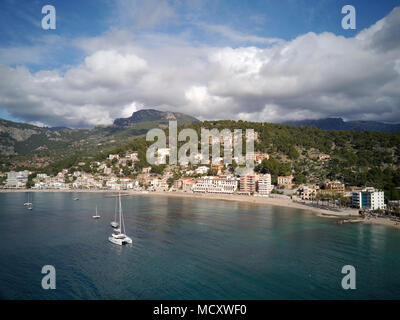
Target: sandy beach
{"points": [[260, 200], [281, 202]]}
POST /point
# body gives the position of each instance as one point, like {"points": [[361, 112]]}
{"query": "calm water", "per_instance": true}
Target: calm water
{"points": [[188, 249]]}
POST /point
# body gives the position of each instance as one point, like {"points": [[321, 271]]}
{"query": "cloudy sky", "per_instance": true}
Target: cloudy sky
{"points": [[270, 60]]}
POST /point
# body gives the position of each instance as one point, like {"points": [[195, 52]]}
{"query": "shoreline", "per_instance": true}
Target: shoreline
{"points": [[278, 202]]}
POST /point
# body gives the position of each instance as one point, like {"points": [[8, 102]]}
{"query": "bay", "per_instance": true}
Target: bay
{"points": [[187, 248]]}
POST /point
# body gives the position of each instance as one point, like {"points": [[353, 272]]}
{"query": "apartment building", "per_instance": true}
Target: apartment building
{"points": [[226, 185], [368, 199], [247, 183], [308, 192], [184, 184], [335, 186], [285, 181], [17, 179], [259, 157], [264, 184]]}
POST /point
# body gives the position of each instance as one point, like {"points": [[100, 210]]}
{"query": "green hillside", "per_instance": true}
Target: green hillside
{"points": [[28, 146], [357, 158]]}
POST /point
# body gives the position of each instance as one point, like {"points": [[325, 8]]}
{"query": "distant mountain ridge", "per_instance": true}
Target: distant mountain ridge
{"points": [[28, 141], [340, 124], [151, 115]]}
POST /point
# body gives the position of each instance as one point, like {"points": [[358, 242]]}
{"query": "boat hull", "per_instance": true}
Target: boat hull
{"points": [[120, 242]]}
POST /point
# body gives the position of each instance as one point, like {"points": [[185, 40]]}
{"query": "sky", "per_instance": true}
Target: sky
{"points": [[267, 60]]}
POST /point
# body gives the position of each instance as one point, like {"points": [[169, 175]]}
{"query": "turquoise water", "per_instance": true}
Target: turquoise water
{"points": [[188, 249]]}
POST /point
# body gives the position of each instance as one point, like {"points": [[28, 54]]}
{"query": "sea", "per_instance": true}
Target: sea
{"points": [[188, 248]]}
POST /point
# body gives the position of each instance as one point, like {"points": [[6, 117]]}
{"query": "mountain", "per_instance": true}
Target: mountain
{"points": [[152, 115], [357, 158], [27, 145], [57, 128], [340, 124]]}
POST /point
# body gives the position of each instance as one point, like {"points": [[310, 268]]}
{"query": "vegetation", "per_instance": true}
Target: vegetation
{"points": [[356, 158]]}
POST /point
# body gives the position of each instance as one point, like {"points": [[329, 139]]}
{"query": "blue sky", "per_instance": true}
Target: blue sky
{"points": [[285, 19], [84, 27]]}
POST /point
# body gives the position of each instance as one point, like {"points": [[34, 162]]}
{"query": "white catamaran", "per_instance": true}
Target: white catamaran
{"points": [[118, 236], [97, 215]]}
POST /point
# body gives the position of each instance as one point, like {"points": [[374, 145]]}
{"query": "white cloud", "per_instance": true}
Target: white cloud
{"points": [[236, 36], [312, 76]]}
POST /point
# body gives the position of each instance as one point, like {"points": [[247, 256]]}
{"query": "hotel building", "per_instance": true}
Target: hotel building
{"points": [[369, 199], [215, 185]]}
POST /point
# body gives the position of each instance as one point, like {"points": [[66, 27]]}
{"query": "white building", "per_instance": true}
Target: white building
{"points": [[162, 154], [113, 156], [264, 184], [369, 199], [158, 185], [308, 192], [216, 185], [17, 179], [133, 156], [201, 170]]}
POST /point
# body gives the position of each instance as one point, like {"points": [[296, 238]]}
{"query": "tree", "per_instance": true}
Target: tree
{"points": [[158, 169], [299, 178], [30, 183]]}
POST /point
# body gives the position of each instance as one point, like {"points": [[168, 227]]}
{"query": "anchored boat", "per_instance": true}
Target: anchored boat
{"points": [[114, 223], [118, 236], [96, 216], [28, 203]]}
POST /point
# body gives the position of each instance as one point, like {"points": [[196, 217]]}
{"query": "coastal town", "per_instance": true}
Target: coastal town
{"points": [[117, 174]]}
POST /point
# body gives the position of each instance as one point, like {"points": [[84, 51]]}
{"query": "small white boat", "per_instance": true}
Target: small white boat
{"points": [[30, 207], [114, 223], [75, 199], [96, 216], [28, 203], [118, 236]]}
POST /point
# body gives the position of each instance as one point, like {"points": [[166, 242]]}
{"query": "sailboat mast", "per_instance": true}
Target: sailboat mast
{"points": [[123, 222], [115, 209], [120, 213]]}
